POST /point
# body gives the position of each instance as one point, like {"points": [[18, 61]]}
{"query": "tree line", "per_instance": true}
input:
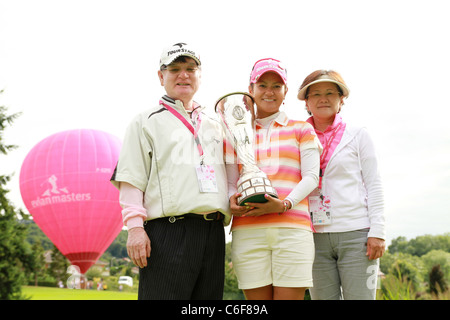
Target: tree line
{"points": [[417, 269]]}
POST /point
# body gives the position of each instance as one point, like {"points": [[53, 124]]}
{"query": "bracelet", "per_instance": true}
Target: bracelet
{"points": [[285, 205]]}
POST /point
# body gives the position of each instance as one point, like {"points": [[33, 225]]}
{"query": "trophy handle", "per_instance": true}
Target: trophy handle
{"points": [[250, 106]]}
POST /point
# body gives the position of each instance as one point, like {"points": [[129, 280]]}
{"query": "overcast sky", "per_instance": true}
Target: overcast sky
{"points": [[93, 64]]}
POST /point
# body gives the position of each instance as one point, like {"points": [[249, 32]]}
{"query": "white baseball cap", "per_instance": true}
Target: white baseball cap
{"points": [[169, 54]]}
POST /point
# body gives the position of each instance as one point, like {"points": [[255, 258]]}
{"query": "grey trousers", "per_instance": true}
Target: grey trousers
{"points": [[341, 269]]}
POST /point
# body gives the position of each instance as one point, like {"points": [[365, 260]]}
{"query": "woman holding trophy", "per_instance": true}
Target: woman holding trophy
{"points": [[272, 246]]}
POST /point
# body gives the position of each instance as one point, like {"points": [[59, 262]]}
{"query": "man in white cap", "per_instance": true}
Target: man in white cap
{"points": [[173, 188]]}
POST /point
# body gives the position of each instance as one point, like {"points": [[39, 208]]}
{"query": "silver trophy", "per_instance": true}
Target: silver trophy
{"points": [[237, 113]]}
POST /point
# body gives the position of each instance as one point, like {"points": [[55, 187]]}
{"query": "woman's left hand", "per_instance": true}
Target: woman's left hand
{"points": [[375, 248], [258, 209]]}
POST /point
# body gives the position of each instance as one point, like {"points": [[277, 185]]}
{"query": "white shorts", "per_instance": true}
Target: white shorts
{"points": [[282, 257]]}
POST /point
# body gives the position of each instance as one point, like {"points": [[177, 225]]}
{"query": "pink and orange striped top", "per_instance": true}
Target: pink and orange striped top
{"points": [[278, 154]]}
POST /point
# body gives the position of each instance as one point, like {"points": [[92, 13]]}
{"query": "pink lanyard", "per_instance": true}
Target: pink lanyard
{"points": [[325, 153], [193, 130]]}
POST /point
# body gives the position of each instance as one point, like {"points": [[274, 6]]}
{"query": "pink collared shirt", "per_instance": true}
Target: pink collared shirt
{"points": [[288, 152]]}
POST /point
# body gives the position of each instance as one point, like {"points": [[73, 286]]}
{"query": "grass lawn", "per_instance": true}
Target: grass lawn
{"points": [[47, 293]]}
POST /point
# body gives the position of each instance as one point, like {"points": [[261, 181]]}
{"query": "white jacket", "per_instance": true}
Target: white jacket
{"points": [[353, 184], [159, 157]]}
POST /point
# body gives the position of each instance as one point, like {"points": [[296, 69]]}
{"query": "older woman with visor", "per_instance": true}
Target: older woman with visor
{"points": [[347, 208]]}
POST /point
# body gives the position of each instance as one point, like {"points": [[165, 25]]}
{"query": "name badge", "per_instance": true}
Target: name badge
{"points": [[206, 178], [319, 209]]}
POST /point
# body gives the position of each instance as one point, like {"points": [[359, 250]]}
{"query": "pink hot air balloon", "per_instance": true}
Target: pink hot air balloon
{"points": [[64, 182]]}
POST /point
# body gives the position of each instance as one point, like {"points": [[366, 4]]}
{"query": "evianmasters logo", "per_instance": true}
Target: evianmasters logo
{"points": [[54, 194]]}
